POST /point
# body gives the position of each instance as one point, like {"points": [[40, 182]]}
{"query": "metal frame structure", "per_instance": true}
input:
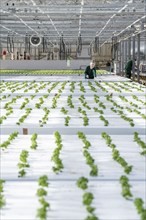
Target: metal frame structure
{"points": [[90, 18]]}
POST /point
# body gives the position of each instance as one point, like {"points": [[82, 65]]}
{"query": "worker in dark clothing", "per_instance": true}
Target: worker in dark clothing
{"points": [[90, 71], [128, 68]]}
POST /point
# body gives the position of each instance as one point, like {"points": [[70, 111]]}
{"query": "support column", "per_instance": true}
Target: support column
{"points": [[122, 58], [126, 47], [129, 48], [133, 57], [119, 57], [138, 56]]}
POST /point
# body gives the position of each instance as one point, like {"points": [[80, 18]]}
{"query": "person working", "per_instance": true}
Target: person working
{"points": [[128, 68], [90, 71]]}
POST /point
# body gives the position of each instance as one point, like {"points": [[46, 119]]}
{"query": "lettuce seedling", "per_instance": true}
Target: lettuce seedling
{"points": [[94, 170], [2, 201], [90, 209], [43, 181], [44, 203], [42, 213], [82, 183], [22, 173], [91, 217], [87, 198], [41, 192], [1, 185]]}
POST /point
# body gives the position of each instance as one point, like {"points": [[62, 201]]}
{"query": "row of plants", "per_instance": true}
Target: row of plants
{"points": [[141, 143], [50, 72], [124, 88], [82, 88], [92, 87], [84, 114], [139, 204], [4, 97], [120, 112], [12, 101], [2, 197], [113, 87], [56, 154], [9, 111], [101, 87], [42, 194], [72, 87], [127, 194], [69, 101], [11, 137], [45, 117], [116, 154], [23, 105], [136, 111], [100, 104], [131, 103], [23, 163], [23, 117], [138, 100], [89, 158], [102, 118], [67, 120], [40, 103], [137, 86], [83, 102], [88, 197], [34, 141]]}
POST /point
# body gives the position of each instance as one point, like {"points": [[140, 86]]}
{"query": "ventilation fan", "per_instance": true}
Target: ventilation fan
{"points": [[35, 40]]}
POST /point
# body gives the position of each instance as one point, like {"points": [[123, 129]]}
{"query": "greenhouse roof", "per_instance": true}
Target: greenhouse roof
{"points": [[71, 19]]}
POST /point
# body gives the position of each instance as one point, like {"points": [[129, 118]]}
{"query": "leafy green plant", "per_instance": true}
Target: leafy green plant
{"points": [[23, 163], [43, 181], [98, 110], [56, 153], [91, 217], [101, 87], [1, 185], [86, 121], [2, 199], [87, 198], [94, 170], [63, 110], [67, 119], [72, 86], [125, 187], [11, 137], [107, 138], [82, 183], [90, 209], [44, 203], [121, 161], [41, 192], [33, 141], [138, 202], [141, 143], [21, 173], [106, 123], [69, 101]]}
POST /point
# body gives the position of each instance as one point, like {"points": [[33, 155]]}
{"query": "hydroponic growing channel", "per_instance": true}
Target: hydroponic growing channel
{"points": [[72, 149]]}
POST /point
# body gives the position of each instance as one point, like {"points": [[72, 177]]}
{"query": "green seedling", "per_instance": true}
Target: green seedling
{"points": [[82, 183]]}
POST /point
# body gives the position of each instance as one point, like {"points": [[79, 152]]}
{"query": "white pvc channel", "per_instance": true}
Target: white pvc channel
{"points": [[64, 196]]}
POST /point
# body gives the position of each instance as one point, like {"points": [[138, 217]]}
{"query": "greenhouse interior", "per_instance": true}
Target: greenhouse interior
{"points": [[73, 110]]}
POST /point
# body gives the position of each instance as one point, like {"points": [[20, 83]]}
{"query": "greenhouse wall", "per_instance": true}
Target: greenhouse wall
{"points": [[43, 64]]}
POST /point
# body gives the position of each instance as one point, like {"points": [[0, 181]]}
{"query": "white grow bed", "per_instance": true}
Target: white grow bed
{"points": [[64, 196]]}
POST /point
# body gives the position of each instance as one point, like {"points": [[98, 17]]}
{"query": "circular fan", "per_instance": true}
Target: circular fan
{"points": [[35, 40]]}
